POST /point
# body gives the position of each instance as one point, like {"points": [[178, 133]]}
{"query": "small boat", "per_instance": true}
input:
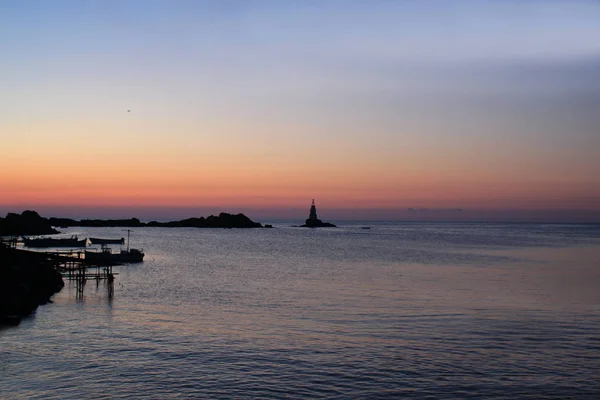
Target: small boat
{"points": [[107, 241], [106, 257], [73, 241]]}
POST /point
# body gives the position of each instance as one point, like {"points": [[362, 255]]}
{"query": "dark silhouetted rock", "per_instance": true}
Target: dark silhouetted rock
{"points": [[26, 223], [317, 224], [223, 220], [125, 223], [62, 222], [27, 280]]}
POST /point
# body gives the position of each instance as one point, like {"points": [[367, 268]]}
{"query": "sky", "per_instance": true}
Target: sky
{"points": [[373, 108]]}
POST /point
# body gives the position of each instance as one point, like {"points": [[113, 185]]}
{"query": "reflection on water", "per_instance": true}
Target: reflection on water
{"points": [[413, 310]]}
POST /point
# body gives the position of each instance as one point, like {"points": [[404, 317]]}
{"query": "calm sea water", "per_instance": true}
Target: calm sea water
{"points": [[413, 310]]}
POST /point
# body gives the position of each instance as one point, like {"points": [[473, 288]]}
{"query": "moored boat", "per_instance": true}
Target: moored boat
{"points": [[106, 256], [106, 241], [73, 241]]}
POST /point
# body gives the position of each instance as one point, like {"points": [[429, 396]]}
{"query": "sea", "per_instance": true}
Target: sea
{"points": [[395, 311]]}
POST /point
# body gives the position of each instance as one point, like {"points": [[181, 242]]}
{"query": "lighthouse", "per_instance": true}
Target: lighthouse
{"points": [[313, 212], [313, 221]]}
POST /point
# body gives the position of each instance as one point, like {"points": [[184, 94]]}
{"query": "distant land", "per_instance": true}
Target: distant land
{"points": [[293, 215], [31, 223], [223, 220]]}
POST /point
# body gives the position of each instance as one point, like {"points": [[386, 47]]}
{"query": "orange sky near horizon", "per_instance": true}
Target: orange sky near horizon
{"points": [[66, 175], [91, 162]]}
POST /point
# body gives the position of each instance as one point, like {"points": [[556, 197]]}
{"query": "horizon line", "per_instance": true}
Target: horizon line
{"points": [[335, 214]]}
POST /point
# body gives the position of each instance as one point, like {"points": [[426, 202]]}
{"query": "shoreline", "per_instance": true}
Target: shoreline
{"points": [[28, 280], [31, 223]]}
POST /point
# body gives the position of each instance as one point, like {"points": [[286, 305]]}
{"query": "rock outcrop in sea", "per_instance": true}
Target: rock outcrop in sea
{"points": [[313, 221], [223, 220]]}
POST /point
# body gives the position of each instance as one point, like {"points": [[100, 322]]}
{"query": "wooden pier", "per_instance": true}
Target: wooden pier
{"points": [[72, 266]]}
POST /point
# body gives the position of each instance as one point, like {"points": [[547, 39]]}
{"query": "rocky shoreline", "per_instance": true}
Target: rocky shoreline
{"points": [[27, 280]]}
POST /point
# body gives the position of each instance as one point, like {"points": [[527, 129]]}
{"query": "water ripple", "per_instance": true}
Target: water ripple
{"points": [[427, 311]]}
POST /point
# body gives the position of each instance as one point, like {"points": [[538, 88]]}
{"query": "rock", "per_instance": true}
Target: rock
{"points": [[123, 223], [317, 224], [223, 220], [62, 222], [27, 223], [27, 280]]}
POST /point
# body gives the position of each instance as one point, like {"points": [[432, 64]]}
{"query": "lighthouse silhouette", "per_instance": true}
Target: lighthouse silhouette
{"points": [[313, 221], [313, 213]]}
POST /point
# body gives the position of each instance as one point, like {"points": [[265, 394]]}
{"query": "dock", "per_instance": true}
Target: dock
{"points": [[72, 266]]}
